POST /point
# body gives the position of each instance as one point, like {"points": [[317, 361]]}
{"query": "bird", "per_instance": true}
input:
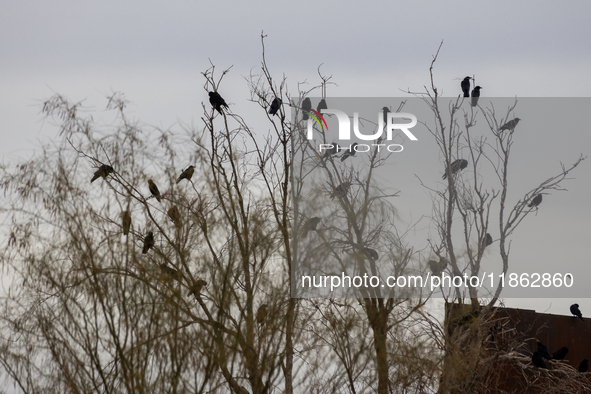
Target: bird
{"points": [[543, 351], [310, 225], [487, 240], [321, 105], [350, 152], [262, 314], [475, 95], [102, 171], [217, 101], [584, 366], [466, 86], [186, 174], [148, 242], [538, 361], [275, 106], [306, 106], [574, 309], [197, 286], [437, 267], [154, 190], [385, 110], [175, 216], [332, 151], [560, 354], [126, 222], [170, 272], [456, 166], [370, 253], [341, 190], [510, 125], [537, 200]]}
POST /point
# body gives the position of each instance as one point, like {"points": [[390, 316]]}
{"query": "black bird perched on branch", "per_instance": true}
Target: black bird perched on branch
{"points": [[126, 222], [538, 361], [535, 201], [306, 106], [369, 253], [262, 314], [456, 166], [574, 309], [102, 171], [341, 190], [510, 125], [217, 101], [560, 354], [385, 110], [148, 242], [197, 286], [310, 225], [475, 96], [349, 152], [584, 366], [275, 106], [321, 105], [487, 240], [466, 86], [154, 189], [187, 174], [543, 350]]}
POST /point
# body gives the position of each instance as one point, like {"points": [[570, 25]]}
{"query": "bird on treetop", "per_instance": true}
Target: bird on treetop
{"points": [[148, 242], [217, 101], [475, 96], [275, 106], [535, 201], [186, 174], [154, 189], [466, 86], [102, 172]]}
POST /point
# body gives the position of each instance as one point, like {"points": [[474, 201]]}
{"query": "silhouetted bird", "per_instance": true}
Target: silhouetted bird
{"points": [[466, 86], [510, 125], [385, 110], [543, 350], [538, 361], [175, 216], [584, 366], [487, 240], [148, 242], [560, 354], [196, 289], [535, 201], [369, 253], [262, 313], [349, 152], [331, 151], [341, 190], [475, 96], [437, 267], [321, 105], [126, 222], [310, 225], [170, 272], [217, 101], [102, 171], [306, 106], [456, 166], [574, 309], [275, 106], [187, 174], [154, 189]]}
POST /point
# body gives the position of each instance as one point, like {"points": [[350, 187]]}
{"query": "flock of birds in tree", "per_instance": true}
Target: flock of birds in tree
{"points": [[542, 353], [173, 213]]}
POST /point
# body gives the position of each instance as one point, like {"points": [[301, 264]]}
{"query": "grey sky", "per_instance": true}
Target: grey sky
{"points": [[155, 51]]}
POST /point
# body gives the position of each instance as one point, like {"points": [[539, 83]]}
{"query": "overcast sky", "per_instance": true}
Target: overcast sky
{"points": [[155, 51]]}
